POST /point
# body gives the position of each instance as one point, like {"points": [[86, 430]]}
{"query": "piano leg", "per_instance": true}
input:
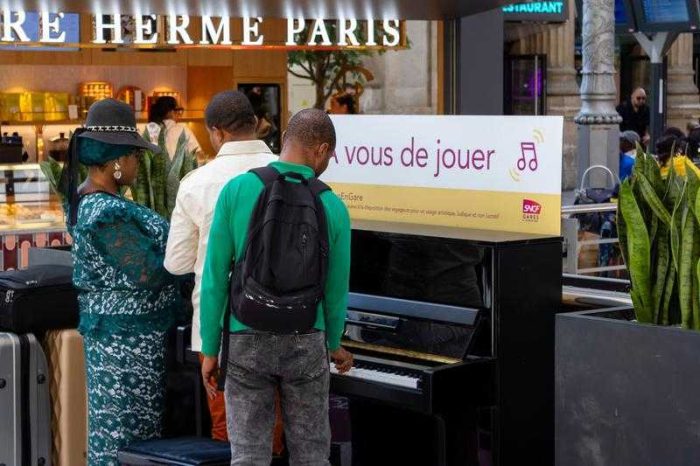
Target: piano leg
{"points": [[461, 446], [440, 441]]}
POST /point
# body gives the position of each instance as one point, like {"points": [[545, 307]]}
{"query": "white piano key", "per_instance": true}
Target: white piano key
{"points": [[378, 376]]}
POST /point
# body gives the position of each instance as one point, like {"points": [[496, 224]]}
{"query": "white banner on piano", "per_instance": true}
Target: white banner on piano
{"points": [[486, 172]]}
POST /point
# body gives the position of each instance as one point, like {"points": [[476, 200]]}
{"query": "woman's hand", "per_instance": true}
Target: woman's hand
{"points": [[210, 371]]}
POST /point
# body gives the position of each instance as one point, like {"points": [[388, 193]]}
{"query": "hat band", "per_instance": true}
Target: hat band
{"points": [[129, 129]]}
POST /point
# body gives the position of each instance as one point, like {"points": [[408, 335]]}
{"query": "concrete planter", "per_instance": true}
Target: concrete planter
{"points": [[626, 393]]}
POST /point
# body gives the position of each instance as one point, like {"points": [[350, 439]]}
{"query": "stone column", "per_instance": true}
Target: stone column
{"points": [[563, 96], [683, 101], [598, 120]]}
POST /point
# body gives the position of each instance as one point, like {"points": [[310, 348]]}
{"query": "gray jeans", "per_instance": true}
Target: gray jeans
{"points": [[297, 365]]}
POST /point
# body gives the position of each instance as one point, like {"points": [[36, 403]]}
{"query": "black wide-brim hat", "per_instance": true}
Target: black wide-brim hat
{"points": [[113, 122]]}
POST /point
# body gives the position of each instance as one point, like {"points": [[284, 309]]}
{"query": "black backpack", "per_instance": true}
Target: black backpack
{"points": [[279, 281]]}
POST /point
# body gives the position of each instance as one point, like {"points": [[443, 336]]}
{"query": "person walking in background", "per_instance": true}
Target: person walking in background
{"points": [[628, 151], [127, 299], [635, 114], [162, 117], [671, 150], [693, 146], [343, 104], [231, 123], [289, 350]]}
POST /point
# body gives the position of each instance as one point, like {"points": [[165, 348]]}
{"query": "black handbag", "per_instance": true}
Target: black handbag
{"points": [[38, 298]]}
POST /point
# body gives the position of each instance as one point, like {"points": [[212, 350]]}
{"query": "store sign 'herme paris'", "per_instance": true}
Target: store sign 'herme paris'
{"points": [[181, 30]]}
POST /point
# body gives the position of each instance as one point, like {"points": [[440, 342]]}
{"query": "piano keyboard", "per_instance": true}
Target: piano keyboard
{"points": [[387, 374]]}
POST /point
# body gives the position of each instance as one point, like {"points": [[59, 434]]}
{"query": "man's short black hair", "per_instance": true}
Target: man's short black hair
{"points": [[311, 127], [230, 111]]}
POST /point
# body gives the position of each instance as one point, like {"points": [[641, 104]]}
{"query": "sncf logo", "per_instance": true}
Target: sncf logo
{"points": [[531, 210]]}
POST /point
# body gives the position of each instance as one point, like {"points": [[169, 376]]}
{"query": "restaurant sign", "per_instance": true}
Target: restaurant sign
{"points": [[150, 31], [553, 11]]}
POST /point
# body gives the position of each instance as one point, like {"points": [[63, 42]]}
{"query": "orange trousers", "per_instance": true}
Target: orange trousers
{"points": [[217, 411]]}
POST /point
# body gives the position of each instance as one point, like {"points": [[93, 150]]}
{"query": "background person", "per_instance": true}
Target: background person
{"points": [[343, 104], [635, 114], [164, 112], [261, 362], [127, 299], [231, 123], [670, 150], [628, 151], [693, 147]]}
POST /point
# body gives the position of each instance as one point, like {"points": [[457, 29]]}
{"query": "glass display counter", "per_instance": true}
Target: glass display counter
{"points": [[30, 214]]}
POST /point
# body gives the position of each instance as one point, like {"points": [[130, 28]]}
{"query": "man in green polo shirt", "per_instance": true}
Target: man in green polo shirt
{"points": [[260, 362]]}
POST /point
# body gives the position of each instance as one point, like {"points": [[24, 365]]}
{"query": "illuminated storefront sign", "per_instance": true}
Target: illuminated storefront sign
{"points": [[148, 31], [553, 11]]}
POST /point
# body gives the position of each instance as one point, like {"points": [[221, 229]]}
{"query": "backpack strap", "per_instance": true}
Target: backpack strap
{"points": [[267, 175], [318, 187]]}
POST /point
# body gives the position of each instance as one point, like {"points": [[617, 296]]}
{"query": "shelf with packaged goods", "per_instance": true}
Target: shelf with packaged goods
{"points": [[144, 121], [39, 134]]}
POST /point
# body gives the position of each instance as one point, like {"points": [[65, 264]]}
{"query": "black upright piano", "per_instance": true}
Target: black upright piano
{"points": [[453, 336]]}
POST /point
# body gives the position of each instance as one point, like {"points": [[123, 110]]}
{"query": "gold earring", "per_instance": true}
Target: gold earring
{"points": [[117, 171]]}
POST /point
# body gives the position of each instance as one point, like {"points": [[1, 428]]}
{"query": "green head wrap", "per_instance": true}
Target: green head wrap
{"points": [[92, 152]]}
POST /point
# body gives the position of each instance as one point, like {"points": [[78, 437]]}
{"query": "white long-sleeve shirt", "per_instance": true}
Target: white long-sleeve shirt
{"points": [[194, 211]]}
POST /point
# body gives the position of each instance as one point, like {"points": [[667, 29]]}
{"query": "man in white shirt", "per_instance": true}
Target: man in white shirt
{"points": [[231, 124]]}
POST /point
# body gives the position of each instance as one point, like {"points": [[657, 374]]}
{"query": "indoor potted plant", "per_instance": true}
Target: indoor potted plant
{"points": [[627, 382], [158, 178]]}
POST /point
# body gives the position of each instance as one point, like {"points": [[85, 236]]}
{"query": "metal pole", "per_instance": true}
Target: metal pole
{"points": [[656, 104], [656, 46], [451, 38]]}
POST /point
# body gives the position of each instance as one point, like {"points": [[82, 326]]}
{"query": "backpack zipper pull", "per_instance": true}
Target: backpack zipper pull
{"points": [[9, 295]]}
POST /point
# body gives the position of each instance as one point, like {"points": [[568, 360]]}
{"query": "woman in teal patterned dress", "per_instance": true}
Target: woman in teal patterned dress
{"points": [[127, 299]]}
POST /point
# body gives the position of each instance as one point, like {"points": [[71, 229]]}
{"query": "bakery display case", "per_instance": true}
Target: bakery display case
{"points": [[26, 200]]}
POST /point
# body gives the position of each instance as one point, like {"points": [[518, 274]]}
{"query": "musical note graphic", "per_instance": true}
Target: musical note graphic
{"points": [[528, 148]]}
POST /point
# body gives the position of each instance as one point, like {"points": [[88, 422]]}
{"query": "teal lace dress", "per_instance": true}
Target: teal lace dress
{"points": [[127, 303]]}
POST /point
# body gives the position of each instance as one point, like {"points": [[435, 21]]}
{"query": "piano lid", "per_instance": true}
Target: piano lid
{"points": [[485, 237], [417, 293], [420, 268]]}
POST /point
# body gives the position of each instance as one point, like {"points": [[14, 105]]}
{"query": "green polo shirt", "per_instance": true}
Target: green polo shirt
{"points": [[229, 231]]}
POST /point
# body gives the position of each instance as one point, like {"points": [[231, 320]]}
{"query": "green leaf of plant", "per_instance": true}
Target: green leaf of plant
{"points": [[669, 289], [652, 200], [685, 283], [663, 263], [639, 253], [679, 212]]}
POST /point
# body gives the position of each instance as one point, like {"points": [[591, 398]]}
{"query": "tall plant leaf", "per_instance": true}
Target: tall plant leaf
{"points": [[685, 282], [677, 223], [662, 266], [52, 170], [669, 289], [622, 236], [652, 199], [639, 253], [173, 177]]}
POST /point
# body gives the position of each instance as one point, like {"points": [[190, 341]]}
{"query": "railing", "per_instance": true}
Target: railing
{"points": [[587, 251]]}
